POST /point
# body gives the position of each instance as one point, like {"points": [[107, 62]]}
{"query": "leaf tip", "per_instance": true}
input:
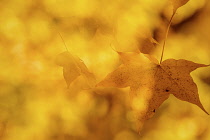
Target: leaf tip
{"points": [[201, 106], [206, 112]]}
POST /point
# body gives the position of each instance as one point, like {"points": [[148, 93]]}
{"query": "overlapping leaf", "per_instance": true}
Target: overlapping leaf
{"points": [[73, 67]]}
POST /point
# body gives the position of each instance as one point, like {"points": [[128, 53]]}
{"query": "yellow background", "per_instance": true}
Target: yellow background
{"points": [[34, 101]]}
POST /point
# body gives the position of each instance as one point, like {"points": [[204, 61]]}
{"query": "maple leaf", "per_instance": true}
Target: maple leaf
{"points": [[151, 83], [73, 67]]}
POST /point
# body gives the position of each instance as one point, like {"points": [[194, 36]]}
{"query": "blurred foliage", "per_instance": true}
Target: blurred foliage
{"points": [[34, 101]]}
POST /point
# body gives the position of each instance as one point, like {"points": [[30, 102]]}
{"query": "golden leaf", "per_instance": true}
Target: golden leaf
{"points": [[151, 83]]}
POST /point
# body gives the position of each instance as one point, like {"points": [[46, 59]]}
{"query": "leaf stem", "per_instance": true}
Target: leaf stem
{"points": [[63, 41], [164, 43]]}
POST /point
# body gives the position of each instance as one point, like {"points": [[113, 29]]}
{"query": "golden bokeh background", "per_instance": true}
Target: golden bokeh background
{"points": [[34, 101]]}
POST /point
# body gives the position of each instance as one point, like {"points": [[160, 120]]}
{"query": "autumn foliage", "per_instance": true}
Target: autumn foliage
{"points": [[100, 70]]}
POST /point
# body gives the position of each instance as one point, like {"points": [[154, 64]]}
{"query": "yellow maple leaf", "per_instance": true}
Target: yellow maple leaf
{"points": [[151, 83]]}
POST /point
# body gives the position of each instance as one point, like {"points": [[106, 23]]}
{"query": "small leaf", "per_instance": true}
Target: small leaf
{"points": [[73, 67], [147, 45], [178, 3]]}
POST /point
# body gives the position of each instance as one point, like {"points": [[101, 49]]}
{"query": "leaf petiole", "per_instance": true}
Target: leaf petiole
{"points": [[164, 43], [63, 41]]}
